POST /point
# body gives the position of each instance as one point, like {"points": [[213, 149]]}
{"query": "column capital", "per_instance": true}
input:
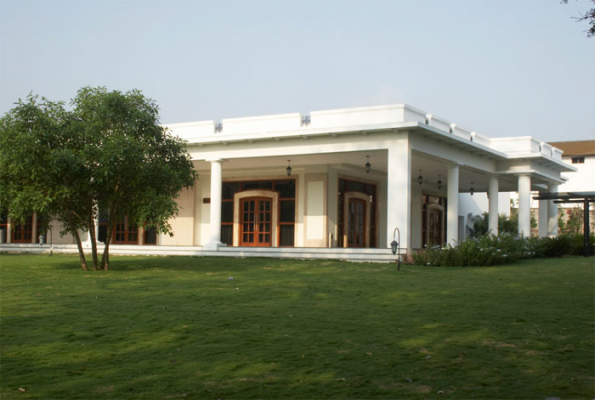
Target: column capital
{"points": [[216, 160]]}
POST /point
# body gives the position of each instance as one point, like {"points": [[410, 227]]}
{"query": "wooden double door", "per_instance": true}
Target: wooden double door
{"points": [[256, 226]]}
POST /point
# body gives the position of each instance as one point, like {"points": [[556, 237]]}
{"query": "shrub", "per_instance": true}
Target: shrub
{"points": [[481, 251], [556, 247], [502, 249], [576, 244]]}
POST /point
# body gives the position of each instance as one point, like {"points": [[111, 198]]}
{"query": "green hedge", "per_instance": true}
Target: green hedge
{"points": [[502, 249]]}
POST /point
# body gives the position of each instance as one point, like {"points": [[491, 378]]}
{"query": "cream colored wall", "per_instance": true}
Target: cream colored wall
{"points": [[54, 237], [183, 224], [315, 211], [332, 204], [205, 209]]}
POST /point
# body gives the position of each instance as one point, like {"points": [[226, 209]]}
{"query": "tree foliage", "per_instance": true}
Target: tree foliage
{"points": [[588, 16], [107, 152]]}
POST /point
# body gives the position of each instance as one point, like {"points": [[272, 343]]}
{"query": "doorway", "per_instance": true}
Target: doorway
{"points": [[256, 227], [433, 220], [356, 216], [356, 223]]}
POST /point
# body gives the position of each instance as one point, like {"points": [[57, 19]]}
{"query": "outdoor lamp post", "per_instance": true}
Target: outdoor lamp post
{"points": [[394, 245]]}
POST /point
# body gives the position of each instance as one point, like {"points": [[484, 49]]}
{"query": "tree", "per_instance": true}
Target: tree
{"points": [[108, 152], [587, 16]]}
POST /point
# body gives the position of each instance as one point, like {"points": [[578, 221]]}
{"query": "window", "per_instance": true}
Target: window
{"points": [[23, 233], [102, 232], [3, 226], [150, 235], [124, 232], [578, 160]]}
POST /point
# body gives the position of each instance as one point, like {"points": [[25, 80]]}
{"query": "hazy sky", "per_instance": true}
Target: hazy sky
{"points": [[499, 67]]}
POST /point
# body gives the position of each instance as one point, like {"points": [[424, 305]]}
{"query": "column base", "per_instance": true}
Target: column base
{"points": [[213, 246]]}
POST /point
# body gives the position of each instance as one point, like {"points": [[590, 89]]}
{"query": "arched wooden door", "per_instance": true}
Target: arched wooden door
{"points": [[256, 227]]}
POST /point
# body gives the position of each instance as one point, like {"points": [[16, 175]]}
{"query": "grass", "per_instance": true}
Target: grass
{"points": [[178, 327]]}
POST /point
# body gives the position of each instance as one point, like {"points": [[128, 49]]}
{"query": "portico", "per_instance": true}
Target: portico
{"points": [[409, 152]]}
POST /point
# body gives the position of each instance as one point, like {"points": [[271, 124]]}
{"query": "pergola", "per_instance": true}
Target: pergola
{"points": [[574, 197]]}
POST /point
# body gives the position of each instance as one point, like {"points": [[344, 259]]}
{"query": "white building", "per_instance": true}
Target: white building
{"points": [[338, 183], [581, 155]]}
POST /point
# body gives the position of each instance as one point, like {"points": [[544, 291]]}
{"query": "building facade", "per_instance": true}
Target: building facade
{"points": [[348, 179]]}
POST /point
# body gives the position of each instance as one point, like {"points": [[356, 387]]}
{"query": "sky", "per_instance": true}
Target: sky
{"points": [[498, 67]]}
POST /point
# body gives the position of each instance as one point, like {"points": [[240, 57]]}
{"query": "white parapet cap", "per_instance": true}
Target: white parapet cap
{"points": [[353, 120]]}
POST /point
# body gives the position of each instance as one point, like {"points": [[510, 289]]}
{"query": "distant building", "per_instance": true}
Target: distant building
{"points": [[581, 155]]}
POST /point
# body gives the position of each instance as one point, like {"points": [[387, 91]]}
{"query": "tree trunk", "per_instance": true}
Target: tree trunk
{"points": [[93, 236], [81, 252], [111, 221]]}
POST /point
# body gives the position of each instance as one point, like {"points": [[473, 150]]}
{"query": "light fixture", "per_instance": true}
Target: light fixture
{"points": [[394, 246], [471, 191], [368, 165], [439, 183], [420, 179], [288, 169]]}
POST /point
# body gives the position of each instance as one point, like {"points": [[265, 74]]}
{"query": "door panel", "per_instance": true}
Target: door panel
{"points": [[125, 233], [356, 221], [435, 227], [256, 222]]}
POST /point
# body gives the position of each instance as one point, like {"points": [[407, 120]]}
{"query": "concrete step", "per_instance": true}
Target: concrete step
{"points": [[357, 255]]}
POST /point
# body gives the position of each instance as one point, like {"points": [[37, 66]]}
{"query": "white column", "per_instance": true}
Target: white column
{"points": [[493, 205], [452, 214], [87, 242], [215, 222], [399, 192], [524, 205], [543, 217], [552, 226]]}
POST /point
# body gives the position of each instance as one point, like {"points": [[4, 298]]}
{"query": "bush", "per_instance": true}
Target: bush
{"points": [[481, 251], [576, 244], [556, 247], [502, 249]]}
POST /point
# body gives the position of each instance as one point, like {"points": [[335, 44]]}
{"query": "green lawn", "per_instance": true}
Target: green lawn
{"points": [[178, 327]]}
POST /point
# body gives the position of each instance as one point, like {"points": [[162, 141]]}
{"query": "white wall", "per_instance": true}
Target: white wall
{"points": [[416, 217], [479, 203], [582, 180]]}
